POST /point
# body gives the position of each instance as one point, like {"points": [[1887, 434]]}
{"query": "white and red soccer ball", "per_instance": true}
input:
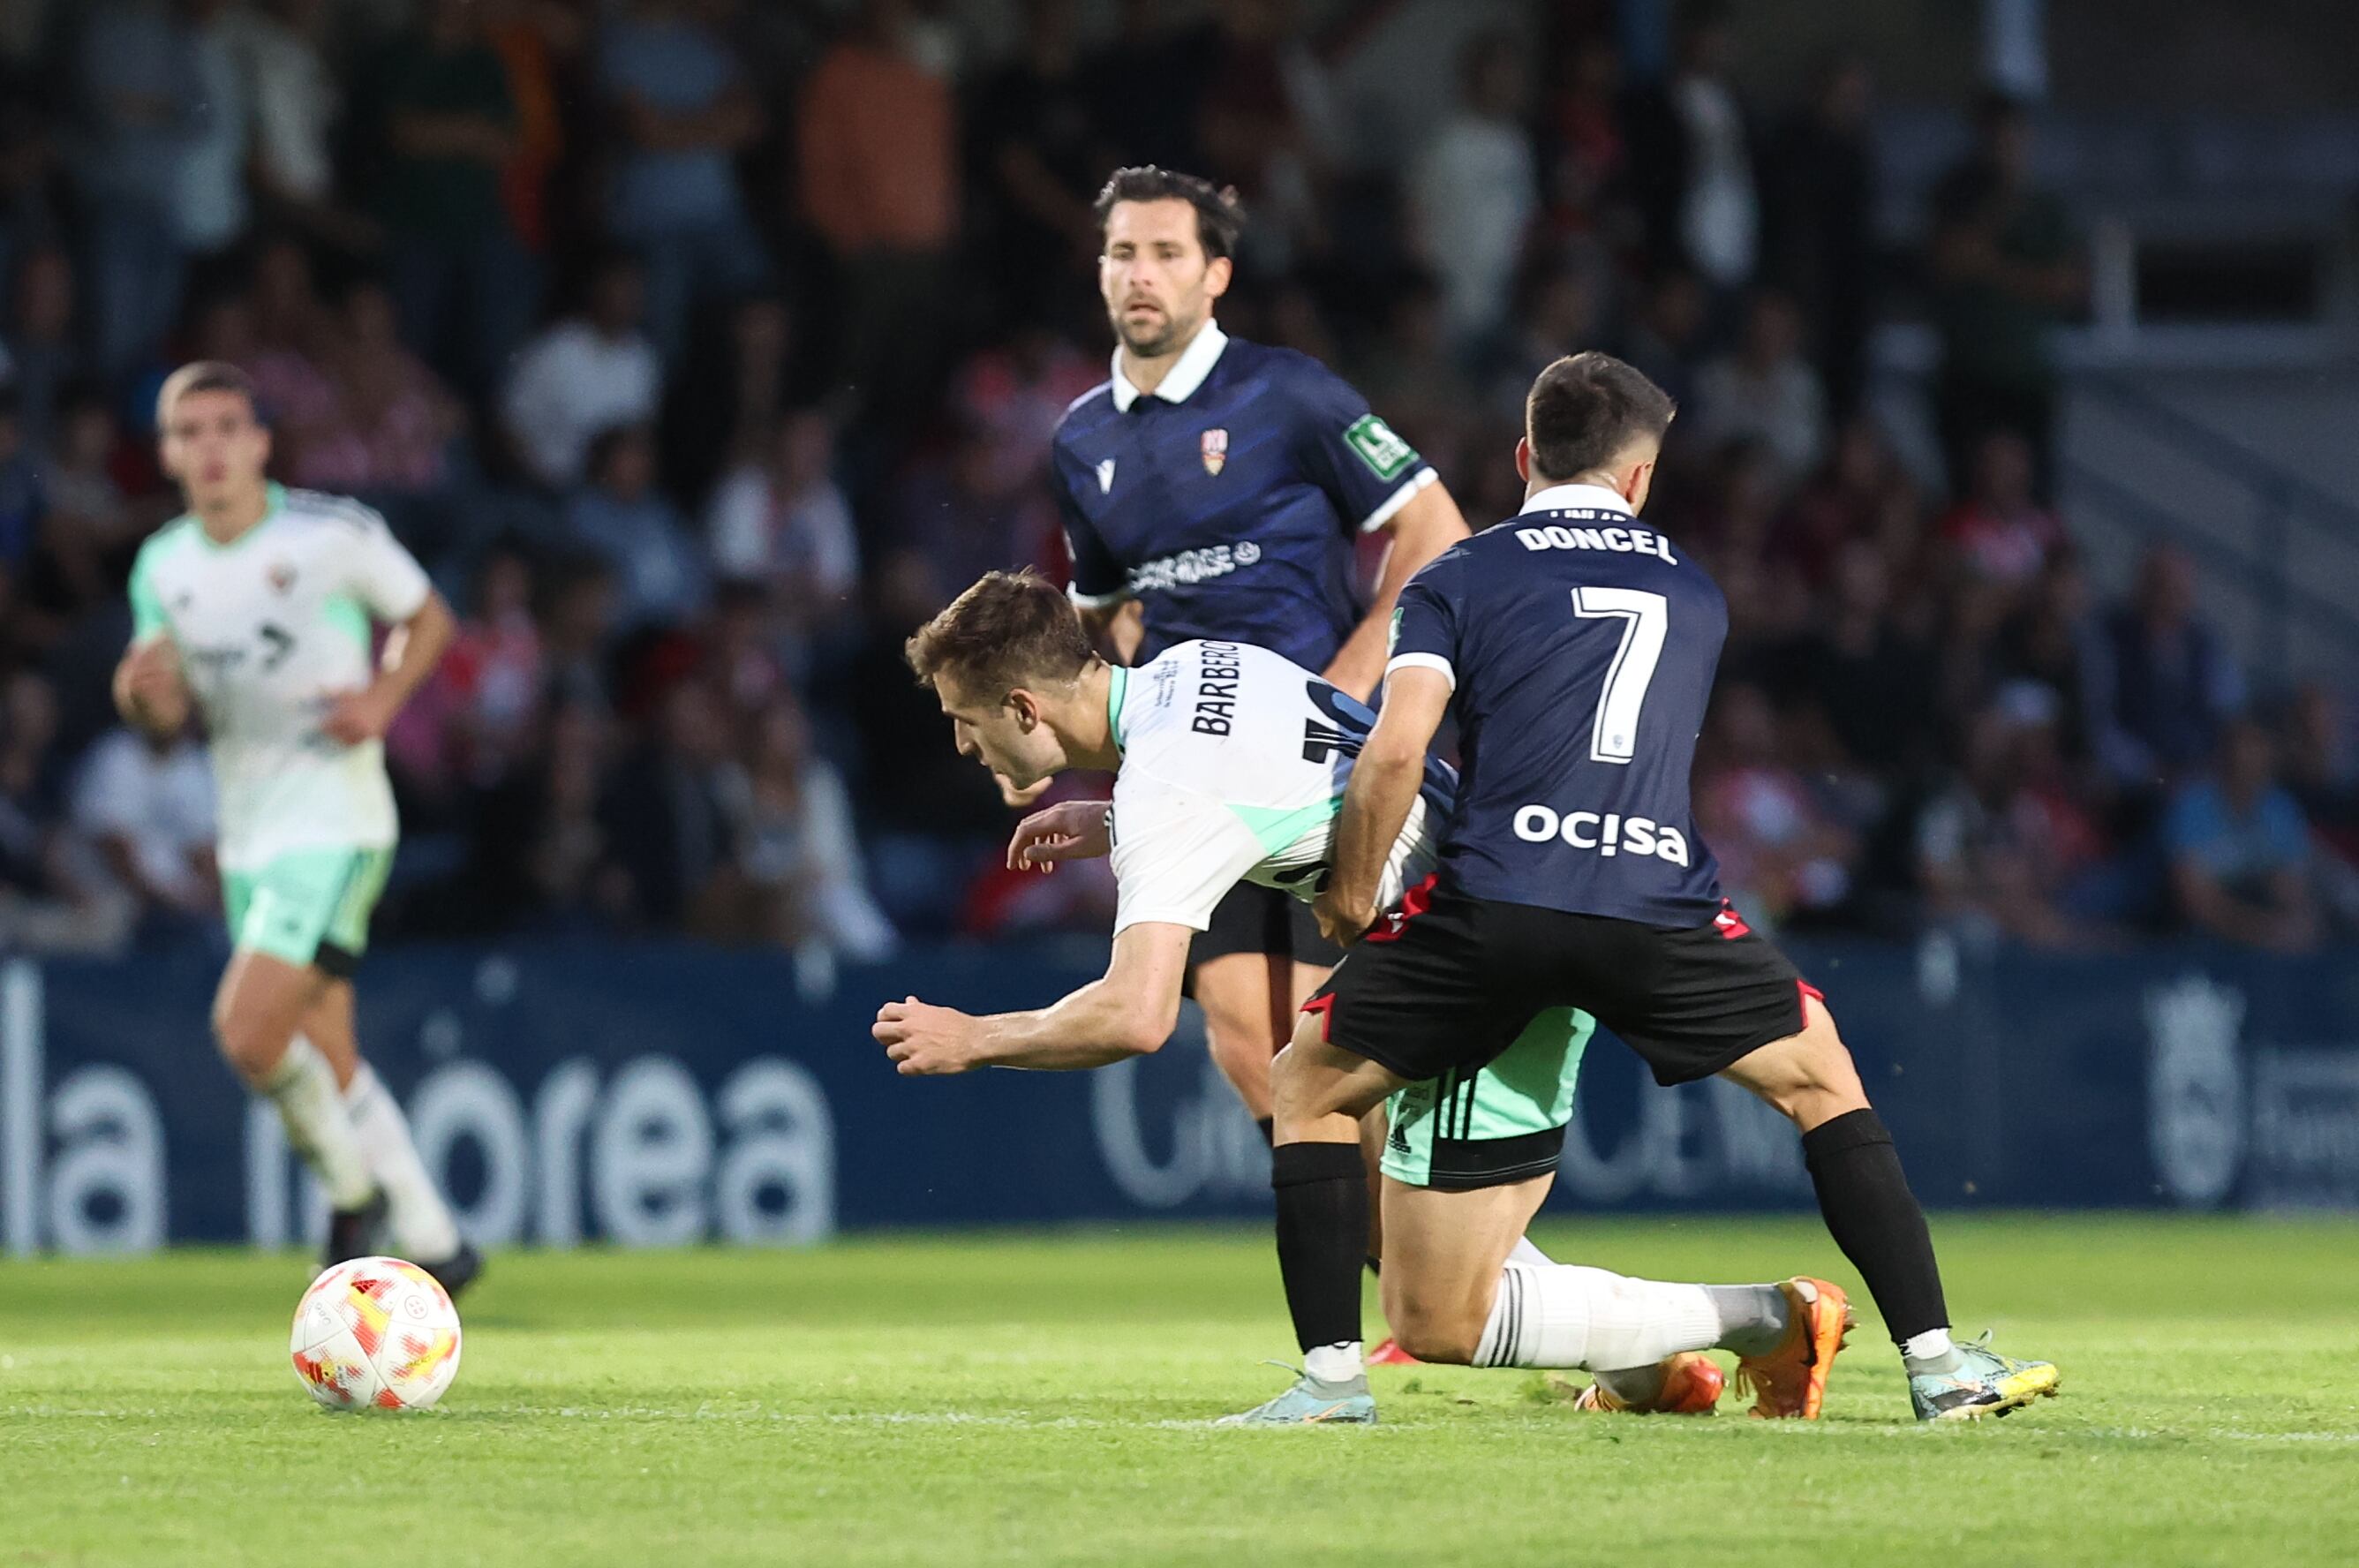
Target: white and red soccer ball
{"points": [[376, 1334]]}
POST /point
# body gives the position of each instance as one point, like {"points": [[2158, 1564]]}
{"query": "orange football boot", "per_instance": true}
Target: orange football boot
{"points": [[1791, 1382], [1691, 1385], [1390, 1353]]}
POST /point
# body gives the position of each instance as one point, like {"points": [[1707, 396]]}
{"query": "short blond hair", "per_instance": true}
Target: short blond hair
{"points": [[204, 376]]}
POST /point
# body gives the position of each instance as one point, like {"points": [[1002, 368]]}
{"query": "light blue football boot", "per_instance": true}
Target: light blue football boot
{"points": [[1985, 1384], [1312, 1403]]}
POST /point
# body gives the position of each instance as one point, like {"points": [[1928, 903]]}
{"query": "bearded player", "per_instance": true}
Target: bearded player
{"points": [[257, 610], [1214, 487]]}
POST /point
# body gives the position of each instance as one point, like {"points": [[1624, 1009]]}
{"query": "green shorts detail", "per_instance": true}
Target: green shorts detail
{"points": [[307, 906], [1503, 1124]]}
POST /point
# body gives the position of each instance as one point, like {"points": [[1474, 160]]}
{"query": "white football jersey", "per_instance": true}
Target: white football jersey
{"points": [[1233, 763], [270, 628]]}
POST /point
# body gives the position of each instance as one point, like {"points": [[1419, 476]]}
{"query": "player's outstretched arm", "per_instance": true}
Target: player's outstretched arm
{"points": [[1377, 802], [1420, 530], [410, 654], [1130, 1012]]}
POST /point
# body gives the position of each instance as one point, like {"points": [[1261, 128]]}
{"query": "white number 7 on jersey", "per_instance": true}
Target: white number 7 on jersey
{"points": [[1649, 618]]}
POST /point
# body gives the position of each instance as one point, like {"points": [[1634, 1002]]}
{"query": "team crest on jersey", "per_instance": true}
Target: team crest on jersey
{"points": [[1216, 451], [281, 576]]}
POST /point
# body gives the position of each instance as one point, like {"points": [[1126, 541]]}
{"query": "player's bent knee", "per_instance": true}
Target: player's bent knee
{"points": [[1831, 1086], [249, 1038], [1809, 1076], [252, 1048], [1430, 1331], [1299, 1089], [1311, 1078]]}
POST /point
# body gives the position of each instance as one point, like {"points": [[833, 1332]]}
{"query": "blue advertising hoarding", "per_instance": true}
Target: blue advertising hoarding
{"points": [[653, 1095]]}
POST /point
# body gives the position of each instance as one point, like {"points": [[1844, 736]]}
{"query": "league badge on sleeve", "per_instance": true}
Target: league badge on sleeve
{"points": [[1387, 455], [1216, 451]]}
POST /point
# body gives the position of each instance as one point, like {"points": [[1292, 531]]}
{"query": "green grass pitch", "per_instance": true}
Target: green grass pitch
{"points": [[1021, 1399]]}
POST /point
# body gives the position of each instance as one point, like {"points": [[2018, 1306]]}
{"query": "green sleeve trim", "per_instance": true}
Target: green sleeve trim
{"points": [[148, 616], [348, 616], [1117, 691]]}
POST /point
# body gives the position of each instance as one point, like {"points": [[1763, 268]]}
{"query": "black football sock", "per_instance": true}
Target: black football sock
{"points": [[1876, 1220], [1323, 1237]]}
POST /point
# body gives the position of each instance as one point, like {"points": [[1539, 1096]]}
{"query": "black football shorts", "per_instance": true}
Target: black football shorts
{"points": [[1449, 981], [1251, 917]]}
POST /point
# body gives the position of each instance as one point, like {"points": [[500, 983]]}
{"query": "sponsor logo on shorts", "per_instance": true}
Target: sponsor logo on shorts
{"points": [[1607, 833]]}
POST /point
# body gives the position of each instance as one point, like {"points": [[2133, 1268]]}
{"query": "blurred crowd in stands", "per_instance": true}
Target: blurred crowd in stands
{"points": [[703, 347]]}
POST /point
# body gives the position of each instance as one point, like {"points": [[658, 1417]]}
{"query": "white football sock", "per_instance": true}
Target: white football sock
{"points": [[1334, 1363], [1753, 1318], [1929, 1352], [421, 1220], [1565, 1315], [303, 1087], [1528, 1254], [1634, 1385]]}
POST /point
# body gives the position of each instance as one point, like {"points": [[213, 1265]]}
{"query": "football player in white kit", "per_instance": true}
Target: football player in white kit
{"points": [[257, 609], [1230, 762]]}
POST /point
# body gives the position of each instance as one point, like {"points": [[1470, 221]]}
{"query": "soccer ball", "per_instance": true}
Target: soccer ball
{"points": [[376, 1334]]}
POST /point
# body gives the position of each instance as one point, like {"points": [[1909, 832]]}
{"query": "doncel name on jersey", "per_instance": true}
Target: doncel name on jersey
{"points": [[1618, 538], [1607, 833]]}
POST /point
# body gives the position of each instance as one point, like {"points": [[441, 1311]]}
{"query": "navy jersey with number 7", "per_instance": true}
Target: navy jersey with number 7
{"points": [[1580, 647]]}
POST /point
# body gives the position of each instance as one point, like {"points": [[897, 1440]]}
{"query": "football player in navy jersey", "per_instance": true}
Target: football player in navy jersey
{"points": [[1577, 649], [1213, 488]]}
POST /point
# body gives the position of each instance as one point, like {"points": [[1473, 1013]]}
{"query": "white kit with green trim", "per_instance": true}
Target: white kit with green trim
{"points": [[270, 627], [1233, 763]]}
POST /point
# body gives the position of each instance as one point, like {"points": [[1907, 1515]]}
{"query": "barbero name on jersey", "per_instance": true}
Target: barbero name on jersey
{"points": [[1617, 535], [1217, 672], [1608, 834]]}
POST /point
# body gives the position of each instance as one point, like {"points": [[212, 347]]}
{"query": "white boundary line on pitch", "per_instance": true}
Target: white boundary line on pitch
{"points": [[1097, 1424]]}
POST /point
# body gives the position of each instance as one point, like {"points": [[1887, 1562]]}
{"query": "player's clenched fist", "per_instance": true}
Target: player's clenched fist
{"points": [[150, 686], [1073, 830], [1344, 916], [926, 1040]]}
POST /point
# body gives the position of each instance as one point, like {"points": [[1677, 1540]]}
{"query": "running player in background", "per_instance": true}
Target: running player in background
{"points": [[1213, 488], [1577, 650], [257, 609]]}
